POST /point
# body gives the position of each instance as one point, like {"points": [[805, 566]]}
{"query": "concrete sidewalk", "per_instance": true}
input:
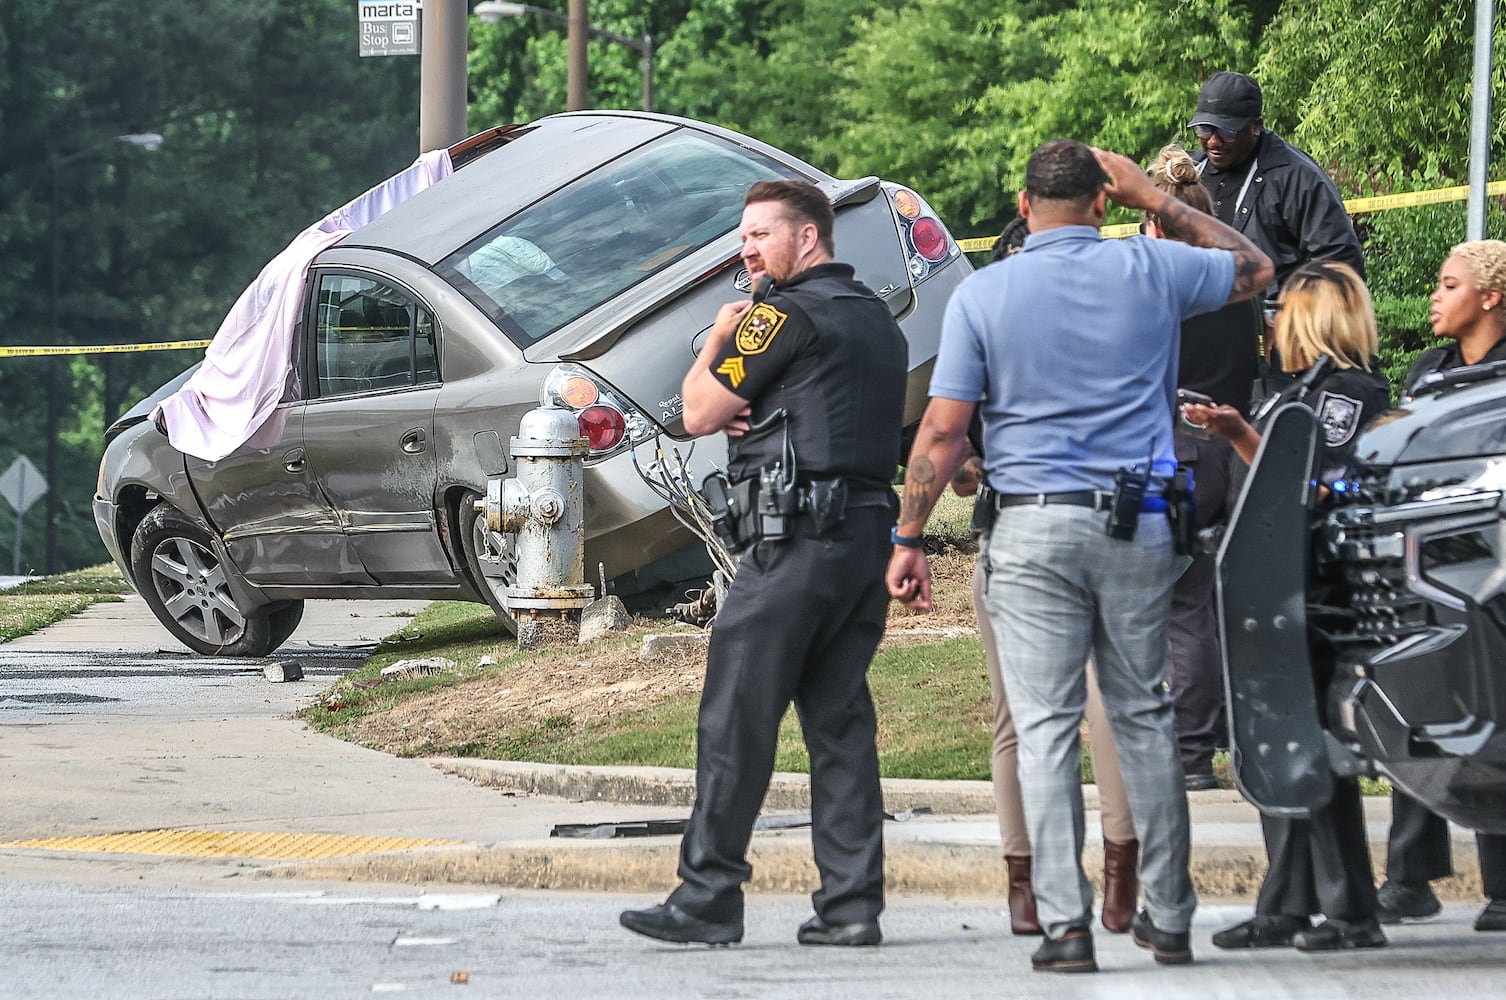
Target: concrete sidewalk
{"points": [[110, 727]]}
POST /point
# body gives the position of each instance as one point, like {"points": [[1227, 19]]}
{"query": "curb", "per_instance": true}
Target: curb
{"points": [[781, 864], [673, 787], [920, 858]]}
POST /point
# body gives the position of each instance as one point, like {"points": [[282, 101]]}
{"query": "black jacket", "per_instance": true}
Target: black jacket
{"points": [[1438, 359], [1291, 210]]}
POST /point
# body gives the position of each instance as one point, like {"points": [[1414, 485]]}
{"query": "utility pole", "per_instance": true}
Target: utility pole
{"points": [[441, 74], [578, 84], [1480, 121]]}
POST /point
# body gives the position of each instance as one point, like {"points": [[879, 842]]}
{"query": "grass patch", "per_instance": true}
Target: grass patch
{"points": [[41, 601]]}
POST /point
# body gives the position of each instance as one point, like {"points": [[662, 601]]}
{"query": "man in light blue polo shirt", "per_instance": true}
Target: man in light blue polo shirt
{"points": [[1069, 348]]}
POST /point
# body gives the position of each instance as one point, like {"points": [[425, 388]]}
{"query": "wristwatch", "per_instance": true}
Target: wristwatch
{"points": [[909, 543]]}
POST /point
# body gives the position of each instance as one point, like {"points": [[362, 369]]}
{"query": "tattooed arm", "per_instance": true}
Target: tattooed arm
{"points": [[938, 448], [968, 475], [1129, 186]]}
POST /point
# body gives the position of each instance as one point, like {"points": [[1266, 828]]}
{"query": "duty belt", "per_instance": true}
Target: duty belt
{"points": [[1099, 500]]}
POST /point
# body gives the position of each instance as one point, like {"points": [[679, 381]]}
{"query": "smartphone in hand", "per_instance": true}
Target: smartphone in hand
{"points": [[1185, 396]]}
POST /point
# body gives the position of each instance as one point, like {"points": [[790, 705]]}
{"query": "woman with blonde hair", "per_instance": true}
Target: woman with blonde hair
{"points": [[1469, 309], [1325, 330]]}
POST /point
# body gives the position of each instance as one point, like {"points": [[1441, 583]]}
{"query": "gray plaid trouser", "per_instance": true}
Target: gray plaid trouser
{"points": [[1060, 590]]}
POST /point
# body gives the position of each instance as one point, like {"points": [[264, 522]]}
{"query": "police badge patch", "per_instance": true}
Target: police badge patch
{"points": [[756, 331], [1340, 418]]}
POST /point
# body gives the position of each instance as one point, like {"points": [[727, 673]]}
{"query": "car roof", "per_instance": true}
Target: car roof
{"points": [[535, 160]]}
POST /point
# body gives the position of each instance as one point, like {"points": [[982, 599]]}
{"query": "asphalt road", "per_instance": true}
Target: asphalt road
{"points": [[106, 726], [63, 940]]}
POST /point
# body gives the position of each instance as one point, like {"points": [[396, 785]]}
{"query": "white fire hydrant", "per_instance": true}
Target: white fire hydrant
{"points": [[545, 507]]}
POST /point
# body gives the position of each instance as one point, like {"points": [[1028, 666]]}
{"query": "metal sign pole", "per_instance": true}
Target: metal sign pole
{"points": [[15, 558], [1479, 130]]}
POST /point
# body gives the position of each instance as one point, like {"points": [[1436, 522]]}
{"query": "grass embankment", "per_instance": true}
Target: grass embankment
{"points": [[599, 704], [932, 702], [41, 601]]}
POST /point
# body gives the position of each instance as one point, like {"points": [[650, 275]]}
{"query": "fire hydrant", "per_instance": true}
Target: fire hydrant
{"points": [[545, 508]]}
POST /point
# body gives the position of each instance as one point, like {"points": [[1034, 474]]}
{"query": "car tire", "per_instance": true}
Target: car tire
{"points": [[181, 579], [284, 622], [473, 542]]}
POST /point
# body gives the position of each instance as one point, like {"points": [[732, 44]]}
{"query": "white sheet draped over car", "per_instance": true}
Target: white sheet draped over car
{"points": [[229, 401]]}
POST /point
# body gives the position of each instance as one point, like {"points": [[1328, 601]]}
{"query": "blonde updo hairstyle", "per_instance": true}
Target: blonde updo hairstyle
{"points": [[1325, 309], [1487, 262], [1174, 172]]}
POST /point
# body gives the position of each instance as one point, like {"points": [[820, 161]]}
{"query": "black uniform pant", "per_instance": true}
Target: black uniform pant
{"points": [[1322, 864], [1194, 667], [1418, 848], [800, 623]]}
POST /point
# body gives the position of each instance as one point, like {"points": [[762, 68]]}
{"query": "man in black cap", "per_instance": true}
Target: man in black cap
{"points": [[1269, 190], [1278, 197]]}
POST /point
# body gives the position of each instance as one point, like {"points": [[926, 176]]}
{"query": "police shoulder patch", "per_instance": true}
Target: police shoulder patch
{"points": [[759, 325], [1339, 416]]}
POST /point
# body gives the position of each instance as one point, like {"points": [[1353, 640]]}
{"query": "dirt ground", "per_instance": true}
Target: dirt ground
{"points": [[606, 679]]}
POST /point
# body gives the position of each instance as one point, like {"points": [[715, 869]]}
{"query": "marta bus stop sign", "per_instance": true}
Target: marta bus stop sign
{"points": [[22, 484], [388, 28]]}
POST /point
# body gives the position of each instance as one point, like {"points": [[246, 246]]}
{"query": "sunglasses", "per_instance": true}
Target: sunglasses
{"points": [[1272, 310], [1207, 132]]}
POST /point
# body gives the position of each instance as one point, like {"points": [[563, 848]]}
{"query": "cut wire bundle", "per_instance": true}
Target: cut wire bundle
{"points": [[670, 480]]}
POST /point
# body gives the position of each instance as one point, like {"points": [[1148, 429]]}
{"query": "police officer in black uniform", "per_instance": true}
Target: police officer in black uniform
{"points": [[1326, 331], [808, 382]]}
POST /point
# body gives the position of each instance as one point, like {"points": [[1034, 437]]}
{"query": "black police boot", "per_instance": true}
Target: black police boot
{"points": [[1273, 930], [817, 931], [1332, 935], [1169, 947], [1072, 952], [1398, 901], [667, 922]]}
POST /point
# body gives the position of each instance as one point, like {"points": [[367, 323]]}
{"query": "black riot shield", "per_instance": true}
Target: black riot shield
{"points": [[1279, 750]]}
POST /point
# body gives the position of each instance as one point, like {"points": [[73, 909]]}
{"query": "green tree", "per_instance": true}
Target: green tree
{"points": [[1121, 74], [913, 82], [1379, 88], [268, 126]]}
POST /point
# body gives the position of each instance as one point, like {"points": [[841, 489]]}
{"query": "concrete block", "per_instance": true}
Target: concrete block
{"points": [[674, 643], [603, 617], [279, 673], [427, 667]]}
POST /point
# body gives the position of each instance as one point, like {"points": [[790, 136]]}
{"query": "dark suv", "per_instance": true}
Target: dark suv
{"points": [[1365, 629]]}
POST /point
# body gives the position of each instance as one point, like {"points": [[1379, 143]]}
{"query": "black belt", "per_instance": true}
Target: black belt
{"points": [[1092, 499]]}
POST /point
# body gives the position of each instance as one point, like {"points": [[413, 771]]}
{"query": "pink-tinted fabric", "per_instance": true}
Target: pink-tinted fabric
{"points": [[231, 400]]}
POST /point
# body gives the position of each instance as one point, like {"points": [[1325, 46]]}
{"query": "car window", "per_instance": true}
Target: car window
{"points": [[607, 231], [369, 335]]}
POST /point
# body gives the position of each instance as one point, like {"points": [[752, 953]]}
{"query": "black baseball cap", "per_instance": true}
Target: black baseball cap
{"points": [[1227, 101]]}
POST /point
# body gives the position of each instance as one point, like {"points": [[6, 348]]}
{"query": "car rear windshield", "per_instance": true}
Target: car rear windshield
{"points": [[607, 231]]}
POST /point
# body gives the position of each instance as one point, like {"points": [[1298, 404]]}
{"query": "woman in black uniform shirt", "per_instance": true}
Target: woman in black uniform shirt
{"points": [[1469, 311], [1322, 864]]}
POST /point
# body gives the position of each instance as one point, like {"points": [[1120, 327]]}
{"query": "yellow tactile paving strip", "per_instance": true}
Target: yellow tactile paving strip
{"points": [[227, 844]]}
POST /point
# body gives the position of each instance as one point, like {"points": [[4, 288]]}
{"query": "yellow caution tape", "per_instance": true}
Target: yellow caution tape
{"points": [[43, 352], [972, 244], [1355, 206]]}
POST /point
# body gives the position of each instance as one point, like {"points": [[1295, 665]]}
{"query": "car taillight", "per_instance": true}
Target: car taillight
{"points": [[577, 391], [929, 239], [603, 427], [608, 421], [928, 245]]}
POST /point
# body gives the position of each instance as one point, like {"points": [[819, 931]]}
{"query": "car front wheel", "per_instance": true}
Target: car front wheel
{"points": [[497, 550], [183, 582]]}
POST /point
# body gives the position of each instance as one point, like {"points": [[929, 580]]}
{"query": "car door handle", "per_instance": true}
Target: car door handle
{"points": [[293, 460], [414, 442]]}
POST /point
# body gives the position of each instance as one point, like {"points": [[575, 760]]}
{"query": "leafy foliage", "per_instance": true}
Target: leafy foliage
{"points": [[271, 120]]}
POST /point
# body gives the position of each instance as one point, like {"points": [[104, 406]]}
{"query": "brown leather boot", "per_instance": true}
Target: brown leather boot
{"points": [[1121, 884], [1022, 918]]}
